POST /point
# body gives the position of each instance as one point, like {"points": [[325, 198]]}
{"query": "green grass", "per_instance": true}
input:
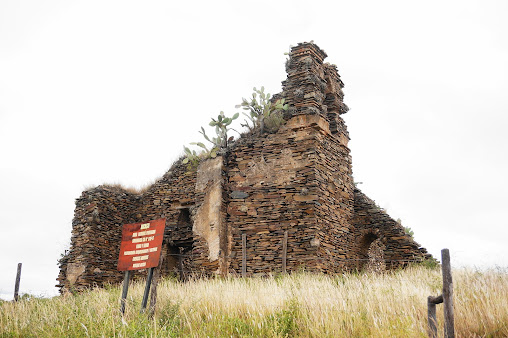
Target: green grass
{"points": [[393, 304]]}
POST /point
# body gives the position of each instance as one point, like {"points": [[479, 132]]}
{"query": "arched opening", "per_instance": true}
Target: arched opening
{"points": [[365, 242]]}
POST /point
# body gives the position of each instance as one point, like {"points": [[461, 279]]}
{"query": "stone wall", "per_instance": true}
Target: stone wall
{"points": [[272, 189], [374, 227], [209, 228], [97, 227], [96, 236], [297, 180], [335, 207], [313, 90], [313, 87], [196, 239], [173, 197]]}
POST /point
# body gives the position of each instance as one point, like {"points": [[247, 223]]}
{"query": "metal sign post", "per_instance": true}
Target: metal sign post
{"points": [[140, 249], [125, 288], [147, 290]]}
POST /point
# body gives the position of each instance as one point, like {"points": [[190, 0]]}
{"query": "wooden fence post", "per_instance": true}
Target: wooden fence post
{"points": [[449, 326], [16, 285], [446, 298], [244, 255], [431, 314], [284, 251]]}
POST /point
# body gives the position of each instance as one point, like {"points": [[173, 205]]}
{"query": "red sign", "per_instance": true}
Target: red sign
{"points": [[141, 245]]}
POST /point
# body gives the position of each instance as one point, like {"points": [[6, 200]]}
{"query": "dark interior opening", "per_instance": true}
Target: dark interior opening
{"points": [[363, 254], [184, 217], [180, 249]]}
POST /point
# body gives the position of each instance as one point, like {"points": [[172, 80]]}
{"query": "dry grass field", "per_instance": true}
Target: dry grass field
{"points": [[393, 304]]}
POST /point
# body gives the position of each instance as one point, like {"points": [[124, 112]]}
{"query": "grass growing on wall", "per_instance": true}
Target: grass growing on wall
{"points": [[380, 305]]}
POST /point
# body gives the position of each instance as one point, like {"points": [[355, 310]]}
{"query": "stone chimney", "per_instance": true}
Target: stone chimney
{"points": [[313, 87]]}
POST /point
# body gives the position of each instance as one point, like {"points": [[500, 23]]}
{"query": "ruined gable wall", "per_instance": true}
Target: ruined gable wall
{"points": [[373, 223], [96, 236], [97, 227]]}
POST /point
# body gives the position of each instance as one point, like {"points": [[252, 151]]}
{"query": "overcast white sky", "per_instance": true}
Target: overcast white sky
{"points": [[96, 92]]}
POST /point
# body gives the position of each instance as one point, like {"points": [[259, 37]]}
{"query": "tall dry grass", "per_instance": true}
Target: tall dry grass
{"points": [[351, 305]]}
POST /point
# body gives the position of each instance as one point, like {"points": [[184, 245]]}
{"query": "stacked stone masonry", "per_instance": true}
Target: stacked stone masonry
{"points": [[296, 182]]}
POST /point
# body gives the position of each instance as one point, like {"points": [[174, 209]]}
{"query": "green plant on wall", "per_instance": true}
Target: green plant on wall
{"points": [[191, 157], [219, 141], [222, 127], [407, 230], [263, 113]]}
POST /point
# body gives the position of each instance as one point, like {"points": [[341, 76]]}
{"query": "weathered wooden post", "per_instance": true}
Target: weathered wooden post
{"points": [[431, 313], [284, 251], [431, 316], [446, 298], [449, 327], [16, 285], [244, 255]]}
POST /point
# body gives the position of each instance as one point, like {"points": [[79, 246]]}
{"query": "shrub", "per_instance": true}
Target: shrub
{"points": [[262, 111]]}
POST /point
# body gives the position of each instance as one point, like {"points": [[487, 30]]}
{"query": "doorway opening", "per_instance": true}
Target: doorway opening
{"points": [[179, 249], [363, 254]]}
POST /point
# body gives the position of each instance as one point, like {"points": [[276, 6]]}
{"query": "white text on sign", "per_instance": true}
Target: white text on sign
{"points": [[139, 252], [143, 233], [139, 258], [143, 239]]}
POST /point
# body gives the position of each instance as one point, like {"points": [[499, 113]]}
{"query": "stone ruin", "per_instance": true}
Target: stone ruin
{"points": [[280, 200]]}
